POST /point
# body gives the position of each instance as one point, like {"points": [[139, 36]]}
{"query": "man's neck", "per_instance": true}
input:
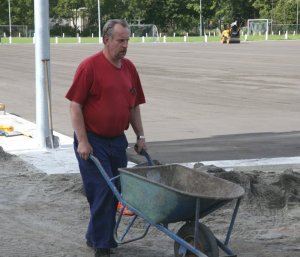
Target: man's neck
{"points": [[116, 62]]}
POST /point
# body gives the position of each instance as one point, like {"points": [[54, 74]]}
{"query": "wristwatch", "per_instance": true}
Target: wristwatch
{"points": [[140, 137]]}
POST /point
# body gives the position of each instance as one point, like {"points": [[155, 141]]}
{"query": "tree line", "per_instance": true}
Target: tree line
{"points": [[170, 16]]}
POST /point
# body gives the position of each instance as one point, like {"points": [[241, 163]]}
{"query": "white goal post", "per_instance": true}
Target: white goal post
{"points": [[144, 30], [257, 26]]}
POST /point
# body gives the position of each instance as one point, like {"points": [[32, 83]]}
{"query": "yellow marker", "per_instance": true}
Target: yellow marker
{"points": [[6, 128]]}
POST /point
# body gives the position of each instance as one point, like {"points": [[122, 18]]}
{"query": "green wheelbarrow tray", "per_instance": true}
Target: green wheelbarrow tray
{"points": [[168, 193]]}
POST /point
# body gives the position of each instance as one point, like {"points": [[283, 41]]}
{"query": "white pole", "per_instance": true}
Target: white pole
{"points": [[9, 18], [42, 53], [297, 16], [200, 30], [99, 23]]}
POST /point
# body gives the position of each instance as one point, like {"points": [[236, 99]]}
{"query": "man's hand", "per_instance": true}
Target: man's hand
{"points": [[84, 150], [140, 145]]}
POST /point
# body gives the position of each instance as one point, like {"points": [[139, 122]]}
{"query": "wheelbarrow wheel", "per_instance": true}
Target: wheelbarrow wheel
{"points": [[207, 243]]}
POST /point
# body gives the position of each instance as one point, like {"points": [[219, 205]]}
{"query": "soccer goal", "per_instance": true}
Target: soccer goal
{"points": [[16, 30], [257, 26], [144, 30]]}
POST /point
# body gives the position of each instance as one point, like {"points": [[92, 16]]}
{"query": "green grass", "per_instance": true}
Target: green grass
{"points": [[95, 40]]}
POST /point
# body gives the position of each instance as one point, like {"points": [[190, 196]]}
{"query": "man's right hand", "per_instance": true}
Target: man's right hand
{"points": [[84, 149]]}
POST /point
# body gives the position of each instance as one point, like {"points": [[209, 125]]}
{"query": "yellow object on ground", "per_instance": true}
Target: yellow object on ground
{"points": [[6, 128]]}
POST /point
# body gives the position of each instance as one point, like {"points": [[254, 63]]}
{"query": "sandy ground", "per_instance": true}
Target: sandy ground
{"points": [[46, 215]]}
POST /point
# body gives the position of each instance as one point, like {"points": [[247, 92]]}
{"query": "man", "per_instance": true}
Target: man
{"points": [[105, 98], [225, 36]]}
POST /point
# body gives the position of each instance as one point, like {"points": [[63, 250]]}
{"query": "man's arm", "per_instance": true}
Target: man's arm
{"points": [[137, 125], [84, 148]]}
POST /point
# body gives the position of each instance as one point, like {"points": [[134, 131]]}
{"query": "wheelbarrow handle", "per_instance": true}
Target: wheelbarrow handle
{"points": [[105, 176], [145, 154]]}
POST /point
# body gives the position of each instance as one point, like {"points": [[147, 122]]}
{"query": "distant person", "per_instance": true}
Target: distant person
{"points": [[225, 36], [105, 98]]}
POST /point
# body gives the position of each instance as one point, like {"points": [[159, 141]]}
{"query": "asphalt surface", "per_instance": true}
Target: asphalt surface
{"points": [[204, 101]]}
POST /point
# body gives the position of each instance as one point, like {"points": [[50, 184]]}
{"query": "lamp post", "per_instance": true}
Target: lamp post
{"points": [[272, 17], [297, 16], [9, 20], [200, 29], [99, 23]]}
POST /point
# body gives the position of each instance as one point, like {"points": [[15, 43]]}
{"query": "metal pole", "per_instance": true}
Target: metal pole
{"points": [[99, 23], [42, 52], [9, 20], [272, 18], [200, 18], [297, 16]]}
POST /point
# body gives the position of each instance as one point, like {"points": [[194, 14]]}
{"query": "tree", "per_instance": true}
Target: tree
{"points": [[229, 11], [23, 12], [169, 16], [285, 12], [70, 10], [264, 8], [3, 12]]}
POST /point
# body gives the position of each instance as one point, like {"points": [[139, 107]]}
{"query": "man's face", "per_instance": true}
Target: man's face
{"points": [[117, 44]]}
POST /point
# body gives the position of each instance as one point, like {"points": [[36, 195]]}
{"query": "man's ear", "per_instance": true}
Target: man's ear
{"points": [[105, 40]]}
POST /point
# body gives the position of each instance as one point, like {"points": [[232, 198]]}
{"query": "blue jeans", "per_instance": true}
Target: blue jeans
{"points": [[111, 152]]}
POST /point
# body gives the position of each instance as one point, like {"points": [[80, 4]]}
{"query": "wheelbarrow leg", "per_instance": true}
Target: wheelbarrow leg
{"points": [[224, 246], [232, 221], [196, 237]]}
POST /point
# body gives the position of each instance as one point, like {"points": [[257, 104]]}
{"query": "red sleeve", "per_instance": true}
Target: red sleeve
{"points": [[83, 80]]}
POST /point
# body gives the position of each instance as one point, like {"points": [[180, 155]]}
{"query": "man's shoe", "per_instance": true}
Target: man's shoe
{"points": [[102, 252], [89, 243]]}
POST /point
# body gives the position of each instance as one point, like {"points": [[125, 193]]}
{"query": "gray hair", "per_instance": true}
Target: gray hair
{"points": [[108, 28]]}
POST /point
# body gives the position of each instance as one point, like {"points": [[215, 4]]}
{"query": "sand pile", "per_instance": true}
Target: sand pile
{"points": [[47, 215]]}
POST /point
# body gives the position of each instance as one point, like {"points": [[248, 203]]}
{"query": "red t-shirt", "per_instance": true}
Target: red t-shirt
{"points": [[106, 93]]}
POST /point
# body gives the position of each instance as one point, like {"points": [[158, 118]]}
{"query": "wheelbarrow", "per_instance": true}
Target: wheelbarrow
{"points": [[165, 194]]}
